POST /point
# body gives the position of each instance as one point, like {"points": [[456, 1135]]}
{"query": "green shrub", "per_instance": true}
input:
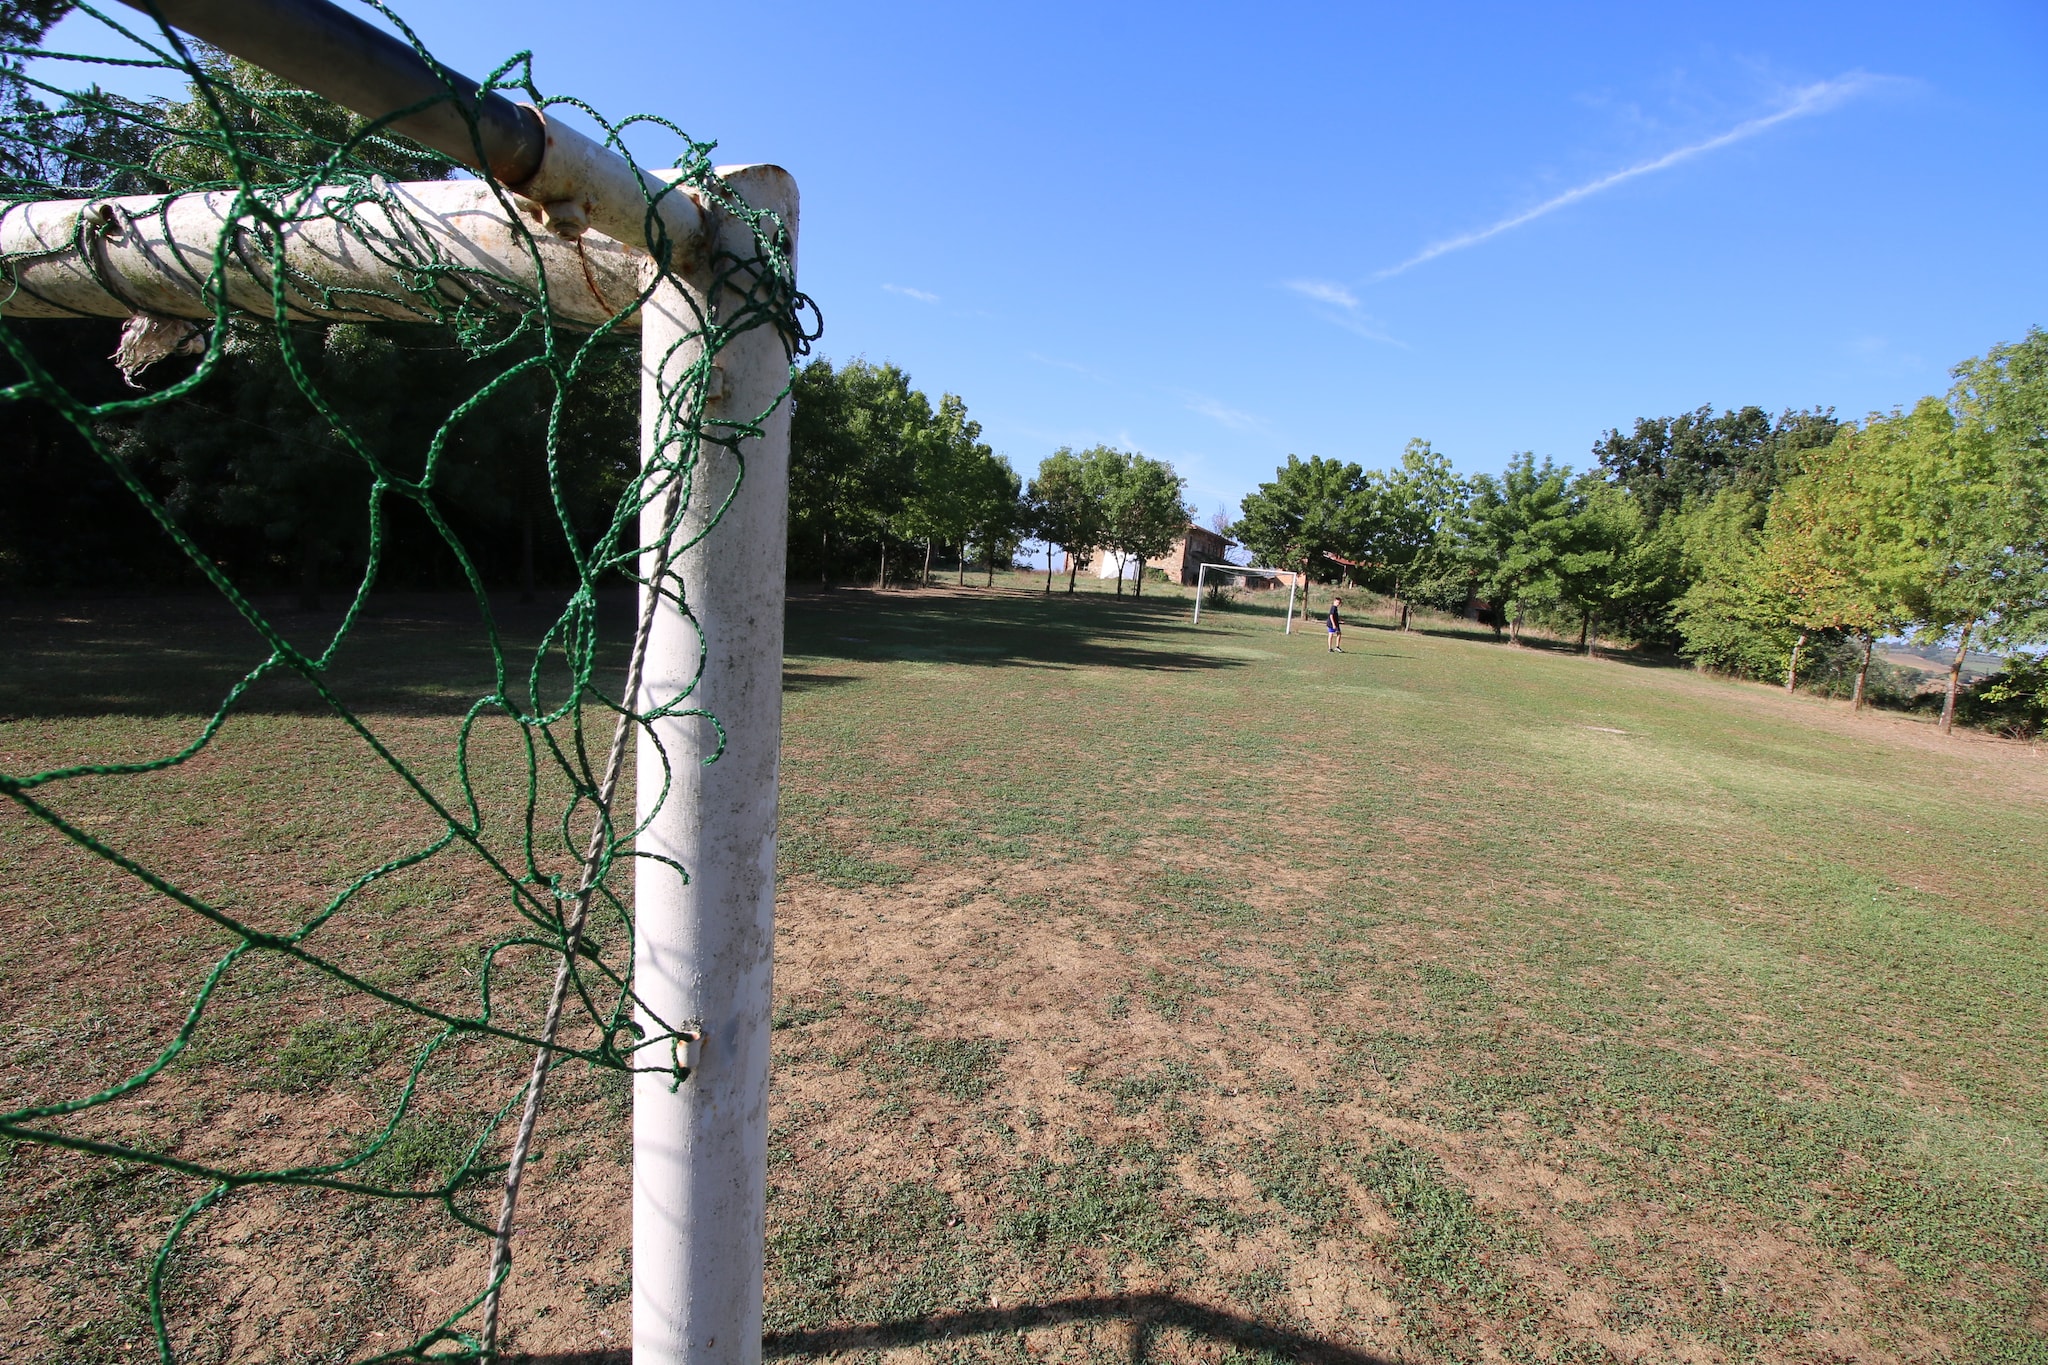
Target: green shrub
{"points": [[2012, 701], [1827, 668]]}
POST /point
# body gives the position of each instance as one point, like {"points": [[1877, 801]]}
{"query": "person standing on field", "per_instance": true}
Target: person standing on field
{"points": [[1336, 628]]}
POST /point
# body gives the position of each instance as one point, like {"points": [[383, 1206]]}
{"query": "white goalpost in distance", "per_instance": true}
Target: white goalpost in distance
{"points": [[1243, 571], [703, 942]]}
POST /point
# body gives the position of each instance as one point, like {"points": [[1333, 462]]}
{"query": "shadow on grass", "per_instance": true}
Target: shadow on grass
{"points": [[798, 680], [408, 654], [998, 628], [1650, 658], [429, 654], [1145, 1315]]}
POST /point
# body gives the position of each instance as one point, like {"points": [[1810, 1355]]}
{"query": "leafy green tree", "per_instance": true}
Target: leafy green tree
{"points": [[1667, 462], [267, 485], [23, 24], [1152, 514], [1516, 529], [24, 135], [1105, 468], [2013, 700], [823, 459], [87, 140], [1603, 566], [1832, 548], [251, 451], [855, 438], [1405, 535], [1975, 479], [91, 141], [871, 463], [1066, 511], [1730, 616], [280, 131], [999, 517], [65, 519], [1672, 464], [247, 453], [1143, 510], [1310, 509], [949, 462]]}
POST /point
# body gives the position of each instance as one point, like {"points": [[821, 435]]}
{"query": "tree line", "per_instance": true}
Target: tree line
{"points": [[881, 476], [1764, 546], [882, 480], [877, 471], [1778, 547], [265, 484]]}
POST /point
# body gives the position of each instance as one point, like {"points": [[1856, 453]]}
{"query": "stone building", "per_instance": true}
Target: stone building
{"points": [[1196, 547]]}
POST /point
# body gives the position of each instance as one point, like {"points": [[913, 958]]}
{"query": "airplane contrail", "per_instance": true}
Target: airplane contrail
{"points": [[1811, 99]]}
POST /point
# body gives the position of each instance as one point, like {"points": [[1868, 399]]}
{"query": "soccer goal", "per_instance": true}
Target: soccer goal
{"points": [[555, 240], [1242, 572]]}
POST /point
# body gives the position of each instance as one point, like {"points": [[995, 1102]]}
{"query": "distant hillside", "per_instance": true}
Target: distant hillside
{"points": [[1932, 661]]}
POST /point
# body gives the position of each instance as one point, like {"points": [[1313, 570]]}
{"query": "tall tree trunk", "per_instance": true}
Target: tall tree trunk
{"points": [[1120, 577], [1048, 571], [1792, 668], [309, 572], [1955, 677], [1862, 672], [927, 582], [526, 556], [1515, 628], [882, 575], [1404, 613], [1073, 569], [1585, 629], [961, 580], [825, 559]]}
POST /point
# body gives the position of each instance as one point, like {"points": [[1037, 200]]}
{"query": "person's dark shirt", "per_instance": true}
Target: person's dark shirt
{"points": [[1336, 623]]}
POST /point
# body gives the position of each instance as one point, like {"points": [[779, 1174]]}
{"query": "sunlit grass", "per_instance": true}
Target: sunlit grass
{"points": [[1137, 983]]}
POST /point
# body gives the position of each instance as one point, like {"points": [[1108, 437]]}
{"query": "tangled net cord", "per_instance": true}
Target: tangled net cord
{"points": [[746, 292]]}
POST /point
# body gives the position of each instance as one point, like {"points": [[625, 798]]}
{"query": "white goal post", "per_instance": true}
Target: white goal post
{"points": [[703, 951], [1242, 571]]}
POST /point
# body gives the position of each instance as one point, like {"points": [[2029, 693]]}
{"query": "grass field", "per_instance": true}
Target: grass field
{"points": [[1145, 992]]}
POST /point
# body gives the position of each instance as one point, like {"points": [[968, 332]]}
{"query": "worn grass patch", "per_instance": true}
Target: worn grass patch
{"points": [[1143, 993]]}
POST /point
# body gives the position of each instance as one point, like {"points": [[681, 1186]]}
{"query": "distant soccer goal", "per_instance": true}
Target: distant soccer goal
{"points": [[252, 217], [1241, 572]]}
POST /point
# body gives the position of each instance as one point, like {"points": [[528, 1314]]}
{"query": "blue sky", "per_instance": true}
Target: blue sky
{"points": [[1224, 233]]}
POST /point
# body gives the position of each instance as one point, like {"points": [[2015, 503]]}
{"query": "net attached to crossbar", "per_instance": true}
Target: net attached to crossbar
{"points": [[265, 165]]}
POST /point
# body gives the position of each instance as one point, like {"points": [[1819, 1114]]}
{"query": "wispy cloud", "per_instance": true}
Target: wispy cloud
{"points": [[907, 292], [1233, 418], [1059, 364], [1817, 98], [1323, 291], [1340, 308], [1360, 325]]}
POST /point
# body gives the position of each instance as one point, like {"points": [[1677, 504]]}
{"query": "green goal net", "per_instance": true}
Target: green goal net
{"points": [[357, 426]]}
